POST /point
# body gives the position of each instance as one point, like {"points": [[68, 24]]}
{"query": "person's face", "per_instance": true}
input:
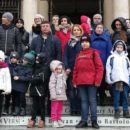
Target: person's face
{"points": [[118, 26], [45, 28], [25, 62], [13, 60], [85, 45], [5, 21], [38, 21], [64, 21], [19, 25], [76, 31], [97, 20], [99, 29], [55, 20], [119, 48]]}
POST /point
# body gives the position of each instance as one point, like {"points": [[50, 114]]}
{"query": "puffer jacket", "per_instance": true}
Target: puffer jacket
{"points": [[57, 87], [9, 39], [118, 66]]}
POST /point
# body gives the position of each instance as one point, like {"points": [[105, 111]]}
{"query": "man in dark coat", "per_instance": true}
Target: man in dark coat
{"points": [[9, 35]]}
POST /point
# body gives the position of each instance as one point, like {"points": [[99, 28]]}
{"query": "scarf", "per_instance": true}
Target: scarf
{"points": [[3, 64]]}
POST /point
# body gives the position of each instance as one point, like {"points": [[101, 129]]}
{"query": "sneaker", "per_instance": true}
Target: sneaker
{"points": [[82, 124], [5, 112], [61, 124], [16, 111], [126, 114], [41, 124], [31, 123], [117, 114], [55, 124], [22, 112], [95, 125]]}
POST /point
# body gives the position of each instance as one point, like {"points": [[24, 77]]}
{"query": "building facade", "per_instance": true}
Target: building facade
{"points": [[27, 9]]}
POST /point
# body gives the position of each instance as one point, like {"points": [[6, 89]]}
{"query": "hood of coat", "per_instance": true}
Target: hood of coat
{"points": [[84, 19], [119, 42], [122, 21]]}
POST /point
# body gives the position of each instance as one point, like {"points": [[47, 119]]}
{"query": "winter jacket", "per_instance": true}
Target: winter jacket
{"points": [[39, 77], [103, 44], [70, 53], [118, 67], [24, 72], [9, 39], [57, 87], [88, 69], [50, 46], [5, 80], [85, 25]]}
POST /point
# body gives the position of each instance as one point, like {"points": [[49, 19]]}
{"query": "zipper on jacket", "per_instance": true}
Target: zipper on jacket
{"points": [[6, 41]]}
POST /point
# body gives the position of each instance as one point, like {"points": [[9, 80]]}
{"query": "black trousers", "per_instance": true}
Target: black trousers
{"points": [[38, 106], [1, 102]]}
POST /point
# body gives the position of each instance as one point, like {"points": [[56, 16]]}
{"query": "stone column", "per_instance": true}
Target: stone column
{"points": [[108, 13], [43, 8], [29, 11], [121, 8]]}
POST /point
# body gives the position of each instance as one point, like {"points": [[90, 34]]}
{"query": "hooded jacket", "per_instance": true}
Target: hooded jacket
{"points": [[118, 66], [85, 25]]}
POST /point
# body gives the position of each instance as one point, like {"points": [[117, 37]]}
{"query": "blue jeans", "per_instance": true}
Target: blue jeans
{"points": [[121, 96], [73, 97], [88, 99]]}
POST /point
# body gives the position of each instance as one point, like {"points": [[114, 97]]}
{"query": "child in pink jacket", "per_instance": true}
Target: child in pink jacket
{"points": [[57, 87]]}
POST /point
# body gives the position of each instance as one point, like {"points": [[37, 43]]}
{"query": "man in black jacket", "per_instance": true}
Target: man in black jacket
{"points": [[49, 44], [9, 35]]}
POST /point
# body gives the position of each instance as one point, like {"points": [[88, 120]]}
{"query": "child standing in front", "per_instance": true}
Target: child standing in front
{"points": [[117, 74], [57, 87], [87, 76]]}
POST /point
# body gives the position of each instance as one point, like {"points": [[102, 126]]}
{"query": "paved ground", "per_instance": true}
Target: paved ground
{"points": [[66, 128]]}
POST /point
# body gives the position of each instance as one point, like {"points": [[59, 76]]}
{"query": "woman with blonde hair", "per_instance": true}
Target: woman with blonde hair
{"points": [[72, 48]]}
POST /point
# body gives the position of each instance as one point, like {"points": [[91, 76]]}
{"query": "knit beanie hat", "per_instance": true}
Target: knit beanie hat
{"points": [[8, 15], [14, 54], [2, 55], [85, 37], [30, 57], [54, 64]]}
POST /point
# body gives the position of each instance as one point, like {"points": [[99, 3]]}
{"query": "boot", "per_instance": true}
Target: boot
{"points": [[82, 124], [17, 111], [95, 125], [31, 123], [117, 114], [126, 114], [22, 112], [41, 124], [5, 111]]}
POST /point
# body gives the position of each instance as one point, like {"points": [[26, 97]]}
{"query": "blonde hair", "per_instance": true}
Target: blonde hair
{"points": [[77, 25]]}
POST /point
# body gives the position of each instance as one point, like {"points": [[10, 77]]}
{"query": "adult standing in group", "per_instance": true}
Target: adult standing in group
{"points": [[24, 36], [49, 44], [36, 27], [63, 31], [97, 19], [9, 35], [102, 42], [72, 48]]}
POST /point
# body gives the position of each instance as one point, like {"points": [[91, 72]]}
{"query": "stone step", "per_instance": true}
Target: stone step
{"points": [[67, 120]]}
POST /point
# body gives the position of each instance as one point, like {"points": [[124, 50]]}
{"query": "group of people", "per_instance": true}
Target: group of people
{"points": [[59, 61]]}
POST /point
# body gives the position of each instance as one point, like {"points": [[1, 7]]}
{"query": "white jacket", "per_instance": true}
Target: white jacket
{"points": [[120, 70], [5, 80]]}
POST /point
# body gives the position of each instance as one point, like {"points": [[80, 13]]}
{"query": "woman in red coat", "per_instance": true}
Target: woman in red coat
{"points": [[87, 76]]}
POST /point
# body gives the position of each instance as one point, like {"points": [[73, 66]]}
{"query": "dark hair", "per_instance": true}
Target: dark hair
{"points": [[19, 21], [45, 22], [99, 24], [64, 16]]}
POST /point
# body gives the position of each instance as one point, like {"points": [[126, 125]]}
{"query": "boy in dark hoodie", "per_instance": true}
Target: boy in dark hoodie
{"points": [[38, 90]]}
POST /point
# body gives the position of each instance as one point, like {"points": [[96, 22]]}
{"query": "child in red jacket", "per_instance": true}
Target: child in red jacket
{"points": [[87, 76]]}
